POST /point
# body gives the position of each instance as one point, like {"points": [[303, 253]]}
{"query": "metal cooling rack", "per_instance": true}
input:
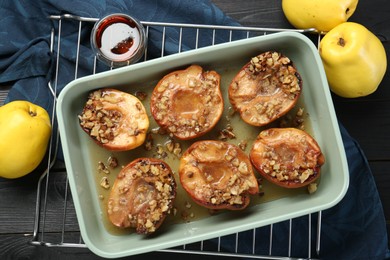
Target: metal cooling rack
{"points": [[68, 234]]}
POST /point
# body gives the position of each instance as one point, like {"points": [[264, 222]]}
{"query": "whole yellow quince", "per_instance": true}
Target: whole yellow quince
{"points": [[354, 59], [322, 15], [25, 130]]}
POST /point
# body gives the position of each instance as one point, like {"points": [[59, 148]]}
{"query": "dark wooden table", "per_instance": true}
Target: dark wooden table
{"points": [[367, 120]]}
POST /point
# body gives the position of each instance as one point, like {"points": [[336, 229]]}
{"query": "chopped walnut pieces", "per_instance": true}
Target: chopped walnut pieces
{"points": [[99, 122], [231, 112], [188, 205], [142, 195], [148, 142], [187, 103], [177, 149], [267, 63], [243, 168], [185, 215], [226, 133], [299, 120], [161, 153], [102, 168], [141, 95], [105, 183], [300, 112], [296, 120], [112, 162], [312, 187], [243, 144], [265, 89], [222, 136], [170, 146]]}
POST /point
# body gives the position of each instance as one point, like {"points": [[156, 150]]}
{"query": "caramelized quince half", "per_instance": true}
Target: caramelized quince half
{"points": [[114, 119], [266, 88], [188, 103], [142, 195], [217, 175], [287, 157]]}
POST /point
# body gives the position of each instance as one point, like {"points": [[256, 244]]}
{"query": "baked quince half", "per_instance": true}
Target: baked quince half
{"points": [[142, 195], [188, 103], [266, 88], [114, 119], [217, 175], [288, 157]]}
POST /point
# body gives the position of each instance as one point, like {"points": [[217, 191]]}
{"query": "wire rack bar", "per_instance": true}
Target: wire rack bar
{"points": [[70, 237], [3, 96], [186, 25]]}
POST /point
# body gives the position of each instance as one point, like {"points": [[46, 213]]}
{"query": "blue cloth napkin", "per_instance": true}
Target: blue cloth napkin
{"points": [[25, 38], [353, 229]]}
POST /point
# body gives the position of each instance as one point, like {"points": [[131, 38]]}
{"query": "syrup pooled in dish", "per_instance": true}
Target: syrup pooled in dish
{"points": [[288, 157], [114, 119], [217, 175], [265, 89], [188, 103], [142, 195]]}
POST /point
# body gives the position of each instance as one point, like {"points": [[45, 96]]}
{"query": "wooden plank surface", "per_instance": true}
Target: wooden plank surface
{"points": [[367, 119]]}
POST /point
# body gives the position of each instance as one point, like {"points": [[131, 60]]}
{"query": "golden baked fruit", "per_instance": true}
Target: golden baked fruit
{"points": [[114, 119], [288, 157], [142, 195], [265, 89], [187, 103], [217, 175]]}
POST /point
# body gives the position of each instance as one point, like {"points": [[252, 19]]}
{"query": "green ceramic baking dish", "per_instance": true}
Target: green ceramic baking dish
{"points": [[81, 155]]}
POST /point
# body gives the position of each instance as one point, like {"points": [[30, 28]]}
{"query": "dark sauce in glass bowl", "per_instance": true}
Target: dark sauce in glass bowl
{"points": [[118, 40]]}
